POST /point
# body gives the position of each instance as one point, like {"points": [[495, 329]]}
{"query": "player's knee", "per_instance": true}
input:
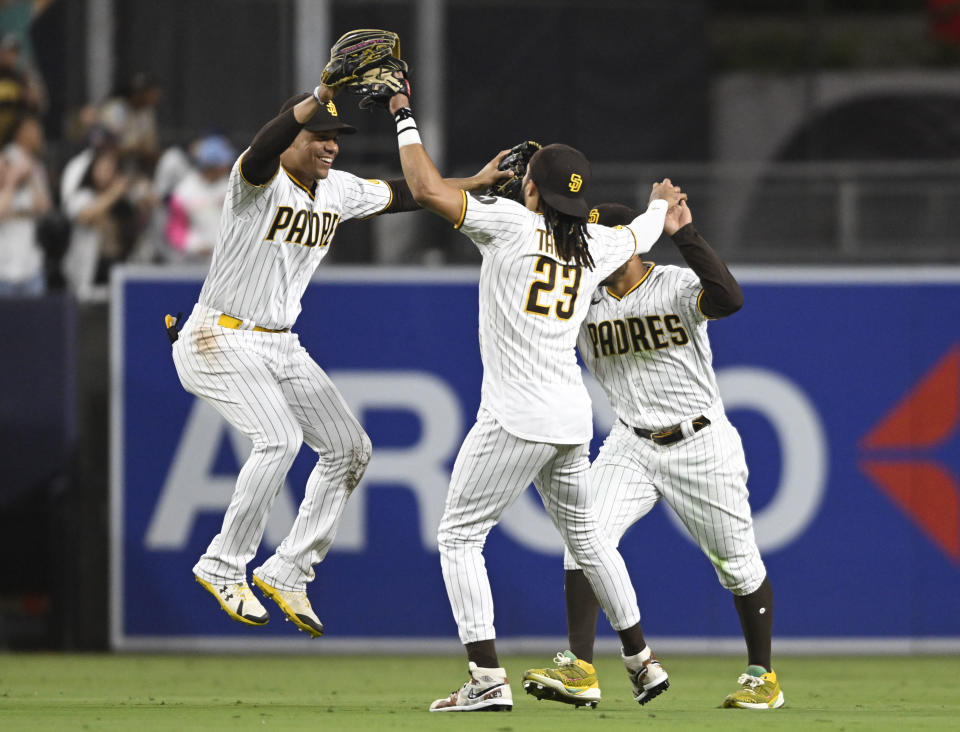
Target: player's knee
{"points": [[356, 455], [452, 546], [361, 451], [740, 575], [583, 534], [350, 447], [282, 447], [583, 547], [364, 449], [453, 536], [445, 542]]}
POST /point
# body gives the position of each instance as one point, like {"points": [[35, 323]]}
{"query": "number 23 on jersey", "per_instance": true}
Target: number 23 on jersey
{"points": [[552, 295]]}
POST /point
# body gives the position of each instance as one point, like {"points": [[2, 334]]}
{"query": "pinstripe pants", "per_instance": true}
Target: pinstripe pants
{"points": [[702, 478], [492, 469], [268, 387]]}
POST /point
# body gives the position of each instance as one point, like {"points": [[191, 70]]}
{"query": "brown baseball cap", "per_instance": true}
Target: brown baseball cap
{"points": [[562, 175], [611, 214], [327, 116]]}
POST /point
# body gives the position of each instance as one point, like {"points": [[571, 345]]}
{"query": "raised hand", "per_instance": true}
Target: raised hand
{"points": [[677, 217], [667, 191], [490, 174]]}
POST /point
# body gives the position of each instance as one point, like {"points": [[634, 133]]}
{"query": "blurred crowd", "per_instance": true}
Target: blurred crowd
{"points": [[118, 196]]}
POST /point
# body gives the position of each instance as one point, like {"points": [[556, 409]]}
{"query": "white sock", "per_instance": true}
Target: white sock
{"points": [[497, 674], [636, 660]]}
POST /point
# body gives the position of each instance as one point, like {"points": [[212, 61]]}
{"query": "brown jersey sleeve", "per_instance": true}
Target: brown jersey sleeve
{"points": [[260, 162], [402, 197], [722, 295]]}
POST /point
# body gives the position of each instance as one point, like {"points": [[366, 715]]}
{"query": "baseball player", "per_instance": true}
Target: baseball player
{"points": [[645, 339], [535, 417], [236, 351]]}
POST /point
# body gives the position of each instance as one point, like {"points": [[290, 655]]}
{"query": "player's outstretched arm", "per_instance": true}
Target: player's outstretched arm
{"points": [[488, 176], [429, 189], [722, 295]]}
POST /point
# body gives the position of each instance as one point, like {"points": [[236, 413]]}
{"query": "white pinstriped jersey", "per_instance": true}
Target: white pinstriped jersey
{"points": [[531, 308], [273, 236], [650, 351]]}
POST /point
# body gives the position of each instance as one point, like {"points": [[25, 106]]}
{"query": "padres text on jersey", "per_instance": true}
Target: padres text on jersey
{"points": [[649, 349], [273, 236]]}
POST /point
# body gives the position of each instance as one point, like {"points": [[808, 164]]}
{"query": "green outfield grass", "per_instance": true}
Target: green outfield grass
{"points": [[138, 693]]}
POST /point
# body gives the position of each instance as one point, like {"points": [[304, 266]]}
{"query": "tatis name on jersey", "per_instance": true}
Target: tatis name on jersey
{"points": [[636, 334], [305, 227], [545, 243]]}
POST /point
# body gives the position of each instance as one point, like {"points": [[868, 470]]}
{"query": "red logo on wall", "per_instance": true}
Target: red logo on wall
{"points": [[924, 419]]}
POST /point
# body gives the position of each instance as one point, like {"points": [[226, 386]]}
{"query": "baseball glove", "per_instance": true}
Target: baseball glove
{"points": [[378, 83], [355, 52], [516, 160]]}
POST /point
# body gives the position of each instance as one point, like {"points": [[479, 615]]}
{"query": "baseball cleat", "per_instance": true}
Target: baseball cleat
{"points": [[572, 681], [238, 601], [488, 690], [759, 689], [648, 677], [295, 605]]}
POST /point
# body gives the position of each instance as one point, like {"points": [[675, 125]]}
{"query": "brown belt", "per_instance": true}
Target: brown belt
{"points": [[671, 434], [228, 321]]}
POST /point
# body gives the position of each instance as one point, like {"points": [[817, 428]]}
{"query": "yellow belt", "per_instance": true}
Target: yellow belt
{"points": [[228, 321]]}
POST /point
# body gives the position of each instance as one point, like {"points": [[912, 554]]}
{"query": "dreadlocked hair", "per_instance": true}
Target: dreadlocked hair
{"points": [[569, 234]]}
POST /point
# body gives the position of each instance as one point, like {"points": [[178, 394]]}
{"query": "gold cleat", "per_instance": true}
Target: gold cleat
{"points": [[756, 692], [571, 681]]}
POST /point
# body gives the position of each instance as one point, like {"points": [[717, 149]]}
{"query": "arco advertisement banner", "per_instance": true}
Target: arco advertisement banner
{"points": [[844, 385]]}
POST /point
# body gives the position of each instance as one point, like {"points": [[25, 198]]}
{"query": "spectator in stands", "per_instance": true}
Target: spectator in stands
{"points": [[174, 164], [24, 198], [107, 214], [197, 200], [18, 94], [172, 167], [97, 137], [131, 115]]}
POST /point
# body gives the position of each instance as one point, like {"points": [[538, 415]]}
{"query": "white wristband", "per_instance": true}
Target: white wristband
{"points": [[407, 132], [410, 136], [316, 95]]}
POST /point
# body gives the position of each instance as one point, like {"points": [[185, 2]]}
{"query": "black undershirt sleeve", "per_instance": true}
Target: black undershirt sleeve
{"points": [[402, 197], [260, 162], [721, 293]]}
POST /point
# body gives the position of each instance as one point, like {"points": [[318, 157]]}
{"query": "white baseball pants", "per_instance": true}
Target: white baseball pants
{"points": [[268, 387], [703, 478], [492, 469]]}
